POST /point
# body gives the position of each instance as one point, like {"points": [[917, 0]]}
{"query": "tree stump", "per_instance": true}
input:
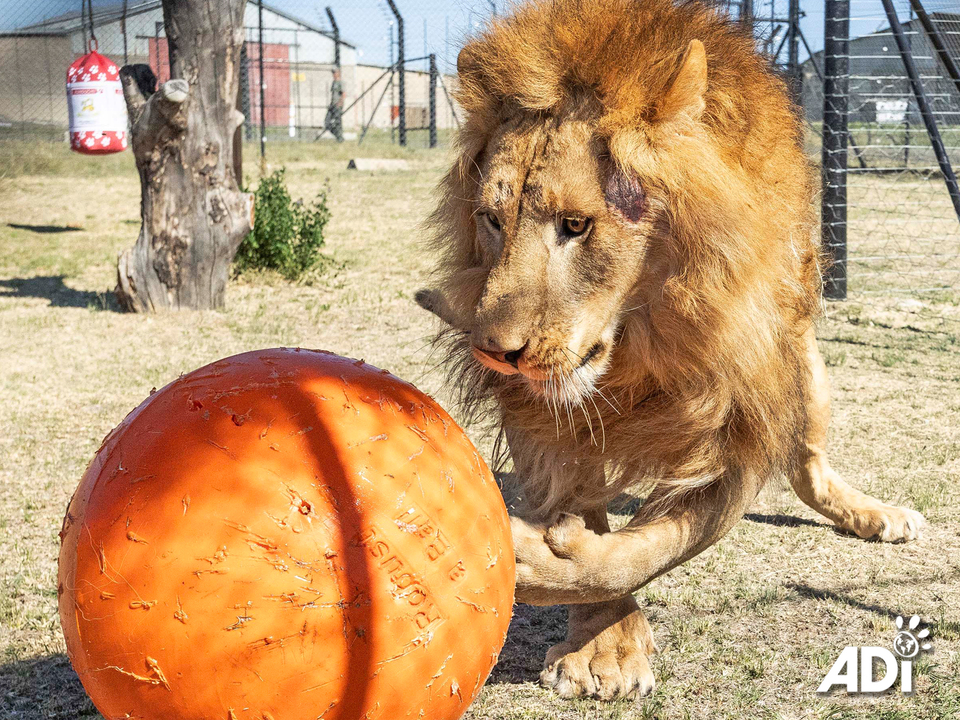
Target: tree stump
{"points": [[193, 214]]}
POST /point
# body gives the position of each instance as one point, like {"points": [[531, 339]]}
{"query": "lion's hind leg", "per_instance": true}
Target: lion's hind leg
{"points": [[822, 488]]}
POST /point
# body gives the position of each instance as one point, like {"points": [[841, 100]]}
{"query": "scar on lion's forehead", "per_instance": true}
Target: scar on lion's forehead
{"points": [[500, 186]]}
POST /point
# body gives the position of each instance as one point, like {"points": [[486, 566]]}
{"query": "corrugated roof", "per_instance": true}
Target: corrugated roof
{"points": [[72, 21]]}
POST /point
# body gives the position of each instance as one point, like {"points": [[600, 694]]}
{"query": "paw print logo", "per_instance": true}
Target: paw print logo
{"points": [[112, 70], [105, 141], [89, 142], [94, 69], [908, 642], [102, 76]]}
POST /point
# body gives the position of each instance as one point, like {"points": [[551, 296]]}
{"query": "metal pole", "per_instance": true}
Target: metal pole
{"points": [[746, 13], [238, 141], [401, 85], [338, 111], [936, 39], [336, 37], [123, 29], [773, 14], [376, 107], [245, 92], [925, 110], [836, 86], [393, 103], [157, 27], [433, 100], [793, 49], [263, 96], [906, 115]]}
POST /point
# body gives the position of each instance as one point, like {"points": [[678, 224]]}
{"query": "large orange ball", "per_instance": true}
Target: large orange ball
{"points": [[285, 535]]}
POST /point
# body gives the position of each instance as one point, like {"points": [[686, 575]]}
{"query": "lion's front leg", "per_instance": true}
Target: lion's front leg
{"points": [[576, 561], [569, 562], [605, 654]]}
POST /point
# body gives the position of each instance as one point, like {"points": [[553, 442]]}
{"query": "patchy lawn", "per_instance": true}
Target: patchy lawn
{"points": [[748, 629]]}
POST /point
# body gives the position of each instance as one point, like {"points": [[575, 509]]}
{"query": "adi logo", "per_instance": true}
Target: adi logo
{"points": [[854, 669]]}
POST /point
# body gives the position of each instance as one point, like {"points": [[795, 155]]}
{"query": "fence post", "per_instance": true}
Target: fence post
{"points": [[433, 100], [336, 87], [939, 44], [836, 85], [157, 29], [401, 85], [336, 36], [793, 51], [263, 105], [245, 106]]}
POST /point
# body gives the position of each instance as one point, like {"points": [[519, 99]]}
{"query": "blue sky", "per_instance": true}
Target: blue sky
{"points": [[437, 25]]}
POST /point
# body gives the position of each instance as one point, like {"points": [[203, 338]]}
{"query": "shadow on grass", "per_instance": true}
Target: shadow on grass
{"points": [[44, 229], [812, 593], [52, 288], [46, 688], [782, 520], [532, 631]]}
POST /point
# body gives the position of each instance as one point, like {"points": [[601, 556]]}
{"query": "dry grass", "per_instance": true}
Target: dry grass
{"points": [[748, 629]]}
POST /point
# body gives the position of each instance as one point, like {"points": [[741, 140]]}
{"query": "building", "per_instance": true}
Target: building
{"points": [[298, 63], [880, 91]]}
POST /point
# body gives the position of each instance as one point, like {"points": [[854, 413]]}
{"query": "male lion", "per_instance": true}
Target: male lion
{"points": [[629, 269]]}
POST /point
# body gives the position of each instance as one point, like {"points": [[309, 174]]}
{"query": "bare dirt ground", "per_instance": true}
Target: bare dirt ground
{"points": [[748, 629]]}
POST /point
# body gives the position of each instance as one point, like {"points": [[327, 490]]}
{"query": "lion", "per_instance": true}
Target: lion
{"points": [[630, 273]]}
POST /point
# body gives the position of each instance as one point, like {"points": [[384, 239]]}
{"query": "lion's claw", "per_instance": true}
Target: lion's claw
{"points": [[602, 661]]}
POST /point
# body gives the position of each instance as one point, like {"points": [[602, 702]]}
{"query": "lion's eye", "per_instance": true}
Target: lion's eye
{"points": [[493, 221], [575, 226]]}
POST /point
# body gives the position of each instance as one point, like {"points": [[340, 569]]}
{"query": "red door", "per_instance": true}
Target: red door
{"points": [[276, 73], [276, 91], [160, 59]]}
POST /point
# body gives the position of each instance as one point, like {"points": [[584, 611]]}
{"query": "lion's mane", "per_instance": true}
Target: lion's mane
{"points": [[708, 375]]}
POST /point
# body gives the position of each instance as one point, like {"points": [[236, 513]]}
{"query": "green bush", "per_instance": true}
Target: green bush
{"points": [[287, 235]]}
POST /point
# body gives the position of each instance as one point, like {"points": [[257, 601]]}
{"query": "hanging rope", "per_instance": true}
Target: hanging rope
{"points": [[87, 5]]}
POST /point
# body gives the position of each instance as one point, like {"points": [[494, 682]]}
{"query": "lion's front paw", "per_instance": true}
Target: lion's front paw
{"points": [[608, 665], [554, 561], [887, 523]]}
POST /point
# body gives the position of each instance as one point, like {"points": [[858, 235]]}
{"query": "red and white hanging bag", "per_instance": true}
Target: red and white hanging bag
{"points": [[98, 114]]}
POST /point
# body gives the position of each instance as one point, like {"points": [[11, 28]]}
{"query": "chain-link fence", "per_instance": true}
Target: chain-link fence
{"points": [[304, 77], [380, 70], [891, 209]]}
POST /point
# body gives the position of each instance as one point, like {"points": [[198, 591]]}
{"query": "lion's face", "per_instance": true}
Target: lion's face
{"points": [[565, 236]]}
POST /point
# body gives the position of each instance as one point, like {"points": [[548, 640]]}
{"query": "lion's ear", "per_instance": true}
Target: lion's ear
{"points": [[685, 94]]}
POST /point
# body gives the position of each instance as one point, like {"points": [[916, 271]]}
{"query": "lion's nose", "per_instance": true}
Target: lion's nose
{"points": [[496, 352]]}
